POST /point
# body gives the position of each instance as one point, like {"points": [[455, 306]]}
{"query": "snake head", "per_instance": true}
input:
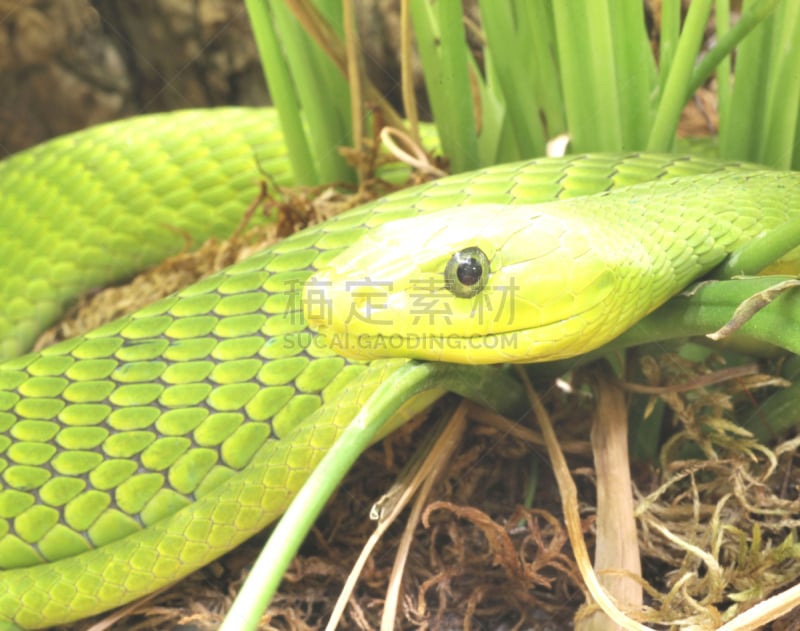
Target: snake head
{"points": [[475, 284]]}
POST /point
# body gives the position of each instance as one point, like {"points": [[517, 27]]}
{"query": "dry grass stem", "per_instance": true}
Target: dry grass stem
{"points": [[569, 501], [616, 556]]}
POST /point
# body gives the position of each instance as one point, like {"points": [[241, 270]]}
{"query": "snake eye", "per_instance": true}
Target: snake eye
{"points": [[466, 272]]}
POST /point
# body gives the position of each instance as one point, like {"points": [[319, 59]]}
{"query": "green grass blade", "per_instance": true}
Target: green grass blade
{"points": [[727, 39], [484, 384], [496, 140], [285, 540], [505, 49], [537, 31], [456, 86], [586, 56], [673, 98], [739, 138], [668, 38], [783, 92], [635, 71], [443, 51], [427, 37], [335, 86], [276, 74], [724, 76], [796, 152], [311, 69]]}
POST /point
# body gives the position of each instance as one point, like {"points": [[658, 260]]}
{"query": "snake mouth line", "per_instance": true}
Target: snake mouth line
{"points": [[523, 344]]}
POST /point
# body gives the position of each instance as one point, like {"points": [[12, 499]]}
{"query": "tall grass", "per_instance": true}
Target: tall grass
{"points": [[585, 68]]}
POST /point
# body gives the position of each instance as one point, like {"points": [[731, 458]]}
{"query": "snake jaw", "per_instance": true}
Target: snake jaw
{"points": [[547, 342]]}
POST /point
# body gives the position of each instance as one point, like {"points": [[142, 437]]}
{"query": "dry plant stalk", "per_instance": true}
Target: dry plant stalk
{"points": [[569, 502], [616, 556]]}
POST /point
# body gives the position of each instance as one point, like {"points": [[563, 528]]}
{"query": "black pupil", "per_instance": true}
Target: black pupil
{"points": [[469, 271]]}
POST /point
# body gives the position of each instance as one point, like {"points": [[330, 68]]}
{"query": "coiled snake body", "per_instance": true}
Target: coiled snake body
{"points": [[141, 451]]}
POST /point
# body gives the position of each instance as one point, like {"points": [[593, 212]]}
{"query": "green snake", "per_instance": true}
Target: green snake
{"points": [[141, 451]]}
